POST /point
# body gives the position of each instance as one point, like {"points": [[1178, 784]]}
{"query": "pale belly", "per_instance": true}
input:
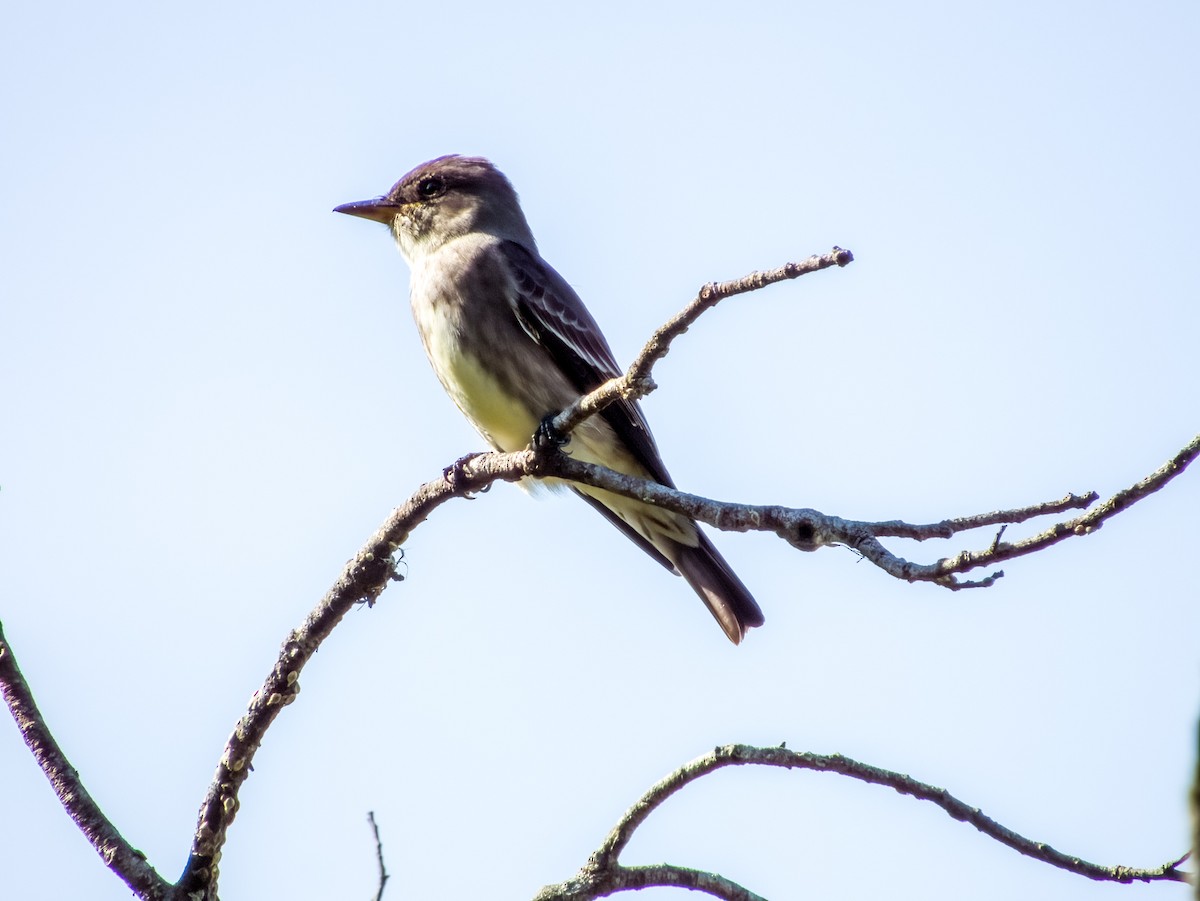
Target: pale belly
{"points": [[506, 423]]}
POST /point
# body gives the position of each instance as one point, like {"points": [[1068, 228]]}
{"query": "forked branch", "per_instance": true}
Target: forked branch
{"points": [[604, 875], [808, 529]]}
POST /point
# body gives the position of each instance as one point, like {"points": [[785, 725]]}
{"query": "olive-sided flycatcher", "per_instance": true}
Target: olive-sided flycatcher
{"points": [[512, 343]]}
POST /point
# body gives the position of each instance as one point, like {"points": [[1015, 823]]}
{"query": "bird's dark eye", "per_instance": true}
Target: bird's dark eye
{"points": [[431, 187]]}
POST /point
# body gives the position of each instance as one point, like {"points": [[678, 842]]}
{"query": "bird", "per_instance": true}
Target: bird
{"points": [[513, 344]]}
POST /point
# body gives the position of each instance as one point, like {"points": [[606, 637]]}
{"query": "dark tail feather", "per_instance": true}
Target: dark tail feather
{"points": [[722, 591], [729, 601]]}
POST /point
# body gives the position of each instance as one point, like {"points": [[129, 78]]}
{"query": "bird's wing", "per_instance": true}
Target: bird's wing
{"points": [[554, 316]]}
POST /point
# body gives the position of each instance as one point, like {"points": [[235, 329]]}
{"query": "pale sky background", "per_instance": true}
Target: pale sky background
{"points": [[213, 393]]}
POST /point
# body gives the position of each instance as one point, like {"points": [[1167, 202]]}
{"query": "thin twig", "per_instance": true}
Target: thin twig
{"points": [[636, 383], [948, 528], [1080, 525], [383, 873]]}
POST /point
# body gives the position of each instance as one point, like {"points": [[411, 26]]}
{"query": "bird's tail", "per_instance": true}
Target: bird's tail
{"points": [[729, 601], [678, 544]]}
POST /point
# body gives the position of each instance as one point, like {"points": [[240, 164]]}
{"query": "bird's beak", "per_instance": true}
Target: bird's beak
{"points": [[379, 209]]}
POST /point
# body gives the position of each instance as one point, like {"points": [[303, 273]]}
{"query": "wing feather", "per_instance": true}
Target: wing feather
{"points": [[553, 315]]}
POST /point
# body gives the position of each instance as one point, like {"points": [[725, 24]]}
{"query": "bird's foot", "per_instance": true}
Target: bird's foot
{"points": [[547, 437], [456, 471]]}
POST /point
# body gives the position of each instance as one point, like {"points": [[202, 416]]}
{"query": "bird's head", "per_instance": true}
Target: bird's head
{"points": [[445, 199]]}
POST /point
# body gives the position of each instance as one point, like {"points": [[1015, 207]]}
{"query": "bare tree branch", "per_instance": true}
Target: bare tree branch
{"points": [[948, 528], [366, 576], [809, 529], [602, 874], [118, 855]]}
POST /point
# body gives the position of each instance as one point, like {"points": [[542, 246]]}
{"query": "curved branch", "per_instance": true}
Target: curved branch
{"points": [[603, 862], [118, 855]]}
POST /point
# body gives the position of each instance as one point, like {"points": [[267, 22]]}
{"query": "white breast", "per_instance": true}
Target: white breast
{"points": [[441, 314]]}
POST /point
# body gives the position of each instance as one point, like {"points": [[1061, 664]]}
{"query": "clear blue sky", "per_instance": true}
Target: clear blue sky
{"points": [[213, 393]]}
